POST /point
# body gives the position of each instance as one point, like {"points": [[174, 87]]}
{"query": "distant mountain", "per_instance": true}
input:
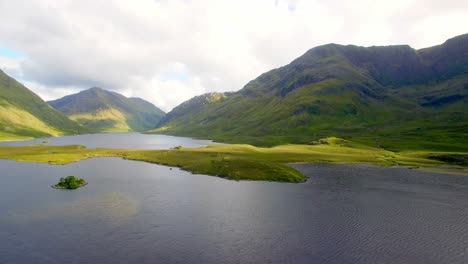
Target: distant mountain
{"points": [[391, 96], [23, 114], [192, 106], [107, 111]]}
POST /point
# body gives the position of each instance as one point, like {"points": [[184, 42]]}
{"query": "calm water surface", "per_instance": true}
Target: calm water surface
{"points": [[135, 212], [117, 140]]}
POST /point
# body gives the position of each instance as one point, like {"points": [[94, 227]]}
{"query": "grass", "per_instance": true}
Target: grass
{"points": [[104, 120], [58, 155], [16, 121], [236, 161], [12, 137]]}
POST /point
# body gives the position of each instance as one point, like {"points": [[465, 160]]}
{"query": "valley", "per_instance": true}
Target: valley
{"points": [[388, 106], [276, 131]]}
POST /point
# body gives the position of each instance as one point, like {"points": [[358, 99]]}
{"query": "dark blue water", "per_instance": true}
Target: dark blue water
{"points": [[135, 212], [117, 140]]}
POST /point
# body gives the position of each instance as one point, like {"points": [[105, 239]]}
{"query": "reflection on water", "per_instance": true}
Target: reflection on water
{"points": [[117, 140], [112, 208]]}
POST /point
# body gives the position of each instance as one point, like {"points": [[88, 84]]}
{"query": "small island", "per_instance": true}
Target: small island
{"points": [[70, 183]]}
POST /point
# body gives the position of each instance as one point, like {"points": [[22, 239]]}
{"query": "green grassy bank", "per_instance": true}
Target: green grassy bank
{"points": [[245, 162]]}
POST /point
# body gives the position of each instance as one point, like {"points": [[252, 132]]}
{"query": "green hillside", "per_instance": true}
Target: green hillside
{"points": [[393, 97], [24, 115], [107, 111]]}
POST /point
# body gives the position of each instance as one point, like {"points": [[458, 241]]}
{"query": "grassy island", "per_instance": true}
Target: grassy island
{"points": [[70, 182], [247, 162]]}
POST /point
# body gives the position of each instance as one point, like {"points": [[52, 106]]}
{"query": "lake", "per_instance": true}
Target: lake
{"points": [[136, 212], [117, 140]]}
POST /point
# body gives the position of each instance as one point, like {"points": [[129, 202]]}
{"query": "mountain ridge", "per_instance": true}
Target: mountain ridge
{"points": [[391, 96], [108, 111]]}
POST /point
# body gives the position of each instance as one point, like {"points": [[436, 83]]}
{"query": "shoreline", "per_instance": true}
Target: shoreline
{"points": [[442, 170], [237, 162], [438, 170]]}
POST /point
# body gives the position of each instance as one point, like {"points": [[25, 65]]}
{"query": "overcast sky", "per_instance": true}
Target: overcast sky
{"points": [[167, 51]]}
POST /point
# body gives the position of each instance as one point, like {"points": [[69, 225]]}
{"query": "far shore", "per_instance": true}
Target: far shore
{"points": [[244, 162], [439, 170], [443, 170]]}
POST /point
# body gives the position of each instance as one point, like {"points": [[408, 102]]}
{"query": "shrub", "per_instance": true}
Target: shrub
{"points": [[70, 182]]}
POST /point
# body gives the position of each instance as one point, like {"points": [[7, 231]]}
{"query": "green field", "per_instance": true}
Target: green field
{"points": [[246, 162]]}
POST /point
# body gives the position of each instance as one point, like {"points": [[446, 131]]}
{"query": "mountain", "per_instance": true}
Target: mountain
{"points": [[23, 114], [193, 106], [107, 111], [393, 97]]}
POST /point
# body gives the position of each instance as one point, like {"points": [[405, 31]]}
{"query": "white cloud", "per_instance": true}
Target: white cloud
{"points": [[11, 66], [47, 93], [167, 51]]}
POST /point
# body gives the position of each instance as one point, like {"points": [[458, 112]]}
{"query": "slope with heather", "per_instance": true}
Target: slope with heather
{"points": [[393, 97]]}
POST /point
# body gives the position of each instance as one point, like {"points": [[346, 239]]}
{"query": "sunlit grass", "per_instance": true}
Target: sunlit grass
{"points": [[14, 119], [104, 120], [12, 137], [237, 162]]}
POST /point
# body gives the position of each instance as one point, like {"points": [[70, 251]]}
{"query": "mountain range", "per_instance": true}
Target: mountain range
{"points": [[24, 115], [107, 111], [394, 97]]}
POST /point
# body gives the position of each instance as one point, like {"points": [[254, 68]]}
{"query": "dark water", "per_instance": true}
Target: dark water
{"points": [[117, 140], [134, 212]]}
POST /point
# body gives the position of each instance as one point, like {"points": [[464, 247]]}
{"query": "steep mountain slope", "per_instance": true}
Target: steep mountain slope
{"points": [[23, 114], [393, 96], [193, 105], [107, 111]]}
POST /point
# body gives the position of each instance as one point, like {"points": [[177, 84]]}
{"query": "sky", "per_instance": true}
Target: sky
{"points": [[167, 51]]}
